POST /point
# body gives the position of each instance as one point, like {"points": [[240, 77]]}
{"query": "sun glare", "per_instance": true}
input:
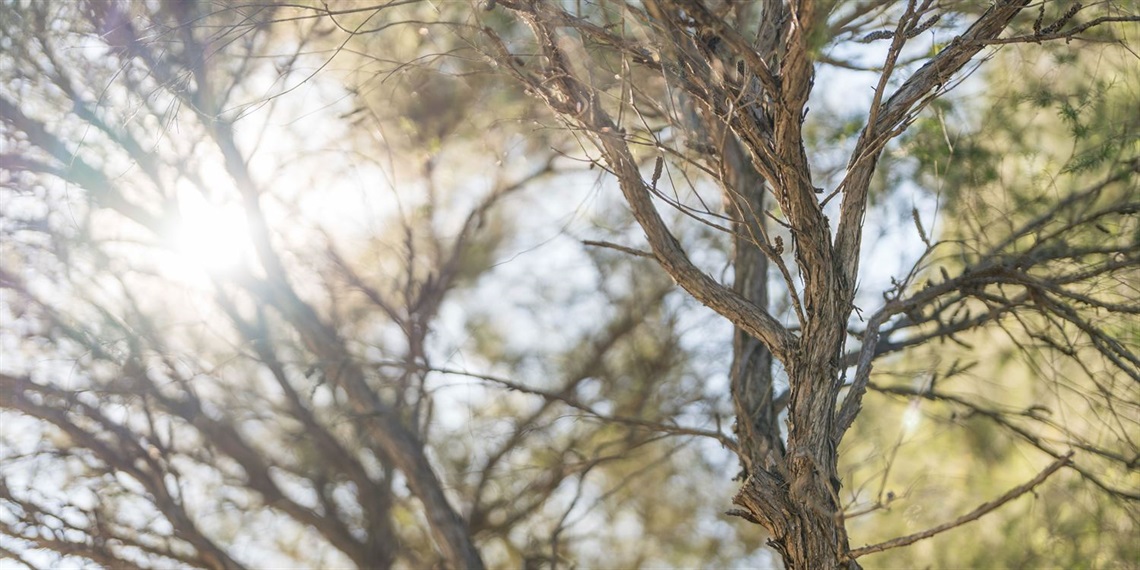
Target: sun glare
{"points": [[210, 237]]}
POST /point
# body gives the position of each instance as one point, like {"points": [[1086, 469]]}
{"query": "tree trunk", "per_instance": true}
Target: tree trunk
{"points": [[753, 395], [806, 525], [798, 502]]}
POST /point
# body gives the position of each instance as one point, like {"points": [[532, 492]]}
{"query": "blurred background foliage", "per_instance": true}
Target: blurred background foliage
{"points": [[435, 216], [1036, 126]]}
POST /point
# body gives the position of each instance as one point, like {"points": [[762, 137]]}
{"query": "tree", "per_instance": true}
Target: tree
{"points": [[323, 406], [209, 363], [1001, 180], [753, 78]]}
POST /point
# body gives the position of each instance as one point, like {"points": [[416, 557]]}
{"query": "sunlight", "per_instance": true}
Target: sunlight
{"points": [[912, 417], [210, 237]]}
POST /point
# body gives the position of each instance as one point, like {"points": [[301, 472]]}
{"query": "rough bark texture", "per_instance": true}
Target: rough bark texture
{"points": [[752, 96], [751, 375], [718, 89]]}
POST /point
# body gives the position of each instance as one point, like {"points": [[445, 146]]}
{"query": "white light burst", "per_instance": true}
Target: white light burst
{"points": [[210, 237]]}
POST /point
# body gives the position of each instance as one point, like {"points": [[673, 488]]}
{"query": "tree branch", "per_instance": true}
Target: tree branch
{"points": [[973, 515], [901, 105], [565, 94]]}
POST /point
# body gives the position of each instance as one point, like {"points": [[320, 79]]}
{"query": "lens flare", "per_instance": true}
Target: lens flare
{"points": [[211, 237]]}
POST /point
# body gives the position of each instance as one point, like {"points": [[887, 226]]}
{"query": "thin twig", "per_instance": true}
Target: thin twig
{"points": [[1063, 35], [621, 248], [976, 514], [727, 441]]}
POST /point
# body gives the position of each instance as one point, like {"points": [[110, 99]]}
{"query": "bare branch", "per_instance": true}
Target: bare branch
{"points": [[621, 248], [973, 515]]}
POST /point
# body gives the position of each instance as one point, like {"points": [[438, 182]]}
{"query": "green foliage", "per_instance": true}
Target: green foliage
{"points": [[1041, 128]]}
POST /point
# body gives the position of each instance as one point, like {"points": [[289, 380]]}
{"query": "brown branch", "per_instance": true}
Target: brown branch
{"points": [[375, 501], [562, 397], [999, 418], [621, 248], [1064, 35], [739, 45], [973, 515], [894, 113], [123, 453], [561, 90], [852, 403], [387, 433]]}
